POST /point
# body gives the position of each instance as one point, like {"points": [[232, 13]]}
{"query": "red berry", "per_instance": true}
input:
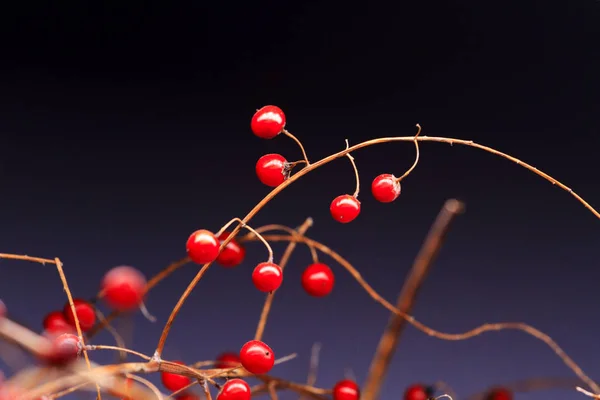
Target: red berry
{"points": [[2, 309], [227, 360], [235, 389], [318, 280], [418, 392], [233, 254], [385, 188], [174, 382], [272, 169], [257, 357], [63, 348], [203, 247], [267, 277], [187, 396], [499, 394], [345, 208], [268, 122], [346, 390], [85, 314], [123, 288], [55, 322]]}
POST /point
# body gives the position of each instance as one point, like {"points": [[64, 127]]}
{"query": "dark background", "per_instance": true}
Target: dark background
{"points": [[125, 126]]}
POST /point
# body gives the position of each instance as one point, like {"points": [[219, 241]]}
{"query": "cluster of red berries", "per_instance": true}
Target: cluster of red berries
{"points": [[203, 247], [122, 289], [273, 169]]}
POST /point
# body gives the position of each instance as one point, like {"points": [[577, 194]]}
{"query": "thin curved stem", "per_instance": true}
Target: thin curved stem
{"points": [[299, 143], [63, 278], [243, 225], [264, 314], [488, 327], [356, 175], [329, 159], [398, 180], [91, 347], [529, 385]]}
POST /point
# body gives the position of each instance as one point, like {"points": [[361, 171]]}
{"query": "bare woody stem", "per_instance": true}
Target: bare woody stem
{"points": [[264, 315], [530, 385], [488, 327], [299, 143], [423, 262], [356, 175], [398, 180], [329, 159], [243, 225], [63, 279]]}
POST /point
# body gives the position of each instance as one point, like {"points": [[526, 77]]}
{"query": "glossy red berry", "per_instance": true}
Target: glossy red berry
{"points": [[318, 280], [55, 323], [499, 394], [85, 314], [257, 357], [123, 288], [345, 208], [202, 247], [227, 360], [233, 254], [174, 382], [267, 277], [346, 390], [268, 122], [418, 392], [385, 188], [235, 389], [187, 396], [63, 348], [271, 169]]}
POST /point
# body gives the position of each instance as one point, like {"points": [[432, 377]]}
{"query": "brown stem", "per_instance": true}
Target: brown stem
{"points": [[528, 329], [299, 143], [414, 165], [326, 160], [262, 322], [530, 385], [419, 271], [63, 278]]}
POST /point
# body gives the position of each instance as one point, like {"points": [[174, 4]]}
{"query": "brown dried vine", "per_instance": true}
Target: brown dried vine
{"points": [[112, 379]]}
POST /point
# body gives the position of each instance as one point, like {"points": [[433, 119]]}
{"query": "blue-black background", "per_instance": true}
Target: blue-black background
{"points": [[125, 126]]}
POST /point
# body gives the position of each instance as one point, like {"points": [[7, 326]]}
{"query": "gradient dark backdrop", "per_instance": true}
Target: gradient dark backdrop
{"points": [[124, 127]]}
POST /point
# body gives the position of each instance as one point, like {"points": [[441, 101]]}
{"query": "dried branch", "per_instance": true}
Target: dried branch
{"points": [[425, 259]]}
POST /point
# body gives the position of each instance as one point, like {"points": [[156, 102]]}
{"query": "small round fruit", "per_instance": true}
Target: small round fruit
{"points": [[346, 390], [267, 277], [85, 314], [233, 254], [499, 394], [187, 396], [268, 122], [257, 357], [271, 169], [385, 189], [55, 322], [345, 208], [124, 288], [202, 247], [227, 360], [235, 389], [174, 382], [418, 392], [63, 348], [318, 280]]}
